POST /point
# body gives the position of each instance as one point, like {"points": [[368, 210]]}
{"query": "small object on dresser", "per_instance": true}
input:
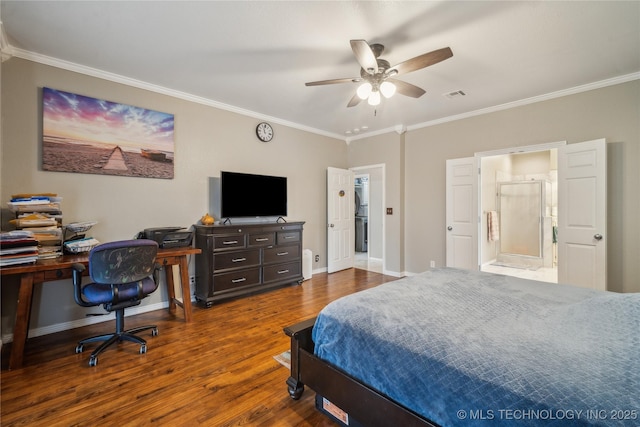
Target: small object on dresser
{"points": [[207, 219]]}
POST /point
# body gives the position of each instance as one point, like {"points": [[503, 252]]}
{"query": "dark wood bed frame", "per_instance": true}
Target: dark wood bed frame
{"points": [[364, 406]]}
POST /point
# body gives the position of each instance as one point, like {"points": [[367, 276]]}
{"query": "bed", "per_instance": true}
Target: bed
{"points": [[456, 347]]}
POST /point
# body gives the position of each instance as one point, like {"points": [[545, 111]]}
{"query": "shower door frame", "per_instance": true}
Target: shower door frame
{"points": [[540, 212]]}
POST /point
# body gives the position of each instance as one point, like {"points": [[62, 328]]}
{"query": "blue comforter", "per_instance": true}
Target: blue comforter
{"points": [[470, 348]]}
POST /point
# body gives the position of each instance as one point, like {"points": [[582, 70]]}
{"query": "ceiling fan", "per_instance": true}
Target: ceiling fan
{"points": [[378, 75]]}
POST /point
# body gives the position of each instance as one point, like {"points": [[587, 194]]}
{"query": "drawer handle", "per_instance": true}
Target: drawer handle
{"points": [[283, 271], [262, 239], [230, 242], [282, 253], [242, 279], [238, 259], [289, 237]]}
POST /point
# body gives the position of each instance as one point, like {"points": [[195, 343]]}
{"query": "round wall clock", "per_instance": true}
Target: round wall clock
{"points": [[264, 131]]}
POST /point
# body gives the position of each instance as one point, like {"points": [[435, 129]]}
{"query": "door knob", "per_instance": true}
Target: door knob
{"points": [[449, 228], [598, 237]]}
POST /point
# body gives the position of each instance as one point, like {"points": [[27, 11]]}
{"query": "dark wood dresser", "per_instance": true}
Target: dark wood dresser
{"points": [[238, 260]]}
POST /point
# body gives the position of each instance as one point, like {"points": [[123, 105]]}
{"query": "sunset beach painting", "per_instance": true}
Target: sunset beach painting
{"points": [[88, 135]]}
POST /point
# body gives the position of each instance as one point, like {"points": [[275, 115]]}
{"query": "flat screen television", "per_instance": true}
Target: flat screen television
{"points": [[248, 195]]}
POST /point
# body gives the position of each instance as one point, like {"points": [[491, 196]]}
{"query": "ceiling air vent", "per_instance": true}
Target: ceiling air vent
{"points": [[454, 94]]}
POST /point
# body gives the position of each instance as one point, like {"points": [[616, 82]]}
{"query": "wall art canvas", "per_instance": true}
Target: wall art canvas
{"points": [[88, 135]]}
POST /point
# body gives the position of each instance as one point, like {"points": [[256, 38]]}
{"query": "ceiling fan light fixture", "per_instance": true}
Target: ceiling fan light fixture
{"points": [[364, 90], [387, 89], [374, 98]]}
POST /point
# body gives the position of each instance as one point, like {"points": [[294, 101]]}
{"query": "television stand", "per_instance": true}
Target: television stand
{"points": [[244, 259]]}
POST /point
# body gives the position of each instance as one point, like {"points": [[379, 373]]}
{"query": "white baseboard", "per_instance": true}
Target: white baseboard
{"points": [[89, 320]]}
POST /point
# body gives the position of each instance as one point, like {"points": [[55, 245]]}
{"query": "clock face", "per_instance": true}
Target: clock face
{"points": [[264, 132]]}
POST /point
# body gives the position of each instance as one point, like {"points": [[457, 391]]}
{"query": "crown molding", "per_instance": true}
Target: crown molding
{"points": [[94, 72], [558, 94], [6, 51], [117, 78]]}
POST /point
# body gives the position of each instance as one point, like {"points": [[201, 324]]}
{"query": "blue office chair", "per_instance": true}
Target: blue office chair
{"points": [[121, 277]]}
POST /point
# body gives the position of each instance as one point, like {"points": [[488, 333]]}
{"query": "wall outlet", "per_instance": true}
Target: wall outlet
{"points": [[317, 258], [192, 280], [432, 264]]}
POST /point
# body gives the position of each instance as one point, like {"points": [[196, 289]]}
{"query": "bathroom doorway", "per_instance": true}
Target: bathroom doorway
{"points": [[520, 207]]}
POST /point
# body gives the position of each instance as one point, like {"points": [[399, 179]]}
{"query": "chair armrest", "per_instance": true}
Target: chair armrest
{"points": [[78, 267], [77, 270], [156, 272]]}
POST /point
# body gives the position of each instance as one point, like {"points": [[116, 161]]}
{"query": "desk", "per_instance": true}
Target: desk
{"points": [[48, 270]]}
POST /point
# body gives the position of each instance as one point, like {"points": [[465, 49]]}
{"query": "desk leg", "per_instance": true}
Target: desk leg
{"points": [[184, 284], [171, 290], [23, 315], [186, 289]]}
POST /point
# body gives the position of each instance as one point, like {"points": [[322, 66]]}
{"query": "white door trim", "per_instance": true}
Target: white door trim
{"points": [[521, 149]]}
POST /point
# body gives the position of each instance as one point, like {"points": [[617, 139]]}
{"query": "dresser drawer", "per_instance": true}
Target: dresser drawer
{"points": [[229, 241], [281, 254], [285, 237], [263, 239], [236, 279], [236, 259], [281, 272]]}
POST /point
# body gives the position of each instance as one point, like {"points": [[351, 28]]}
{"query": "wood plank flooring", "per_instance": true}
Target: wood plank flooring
{"points": [[216, 371]]}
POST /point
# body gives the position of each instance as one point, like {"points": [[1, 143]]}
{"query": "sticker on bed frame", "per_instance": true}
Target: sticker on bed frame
{"points": [[335, 411]]}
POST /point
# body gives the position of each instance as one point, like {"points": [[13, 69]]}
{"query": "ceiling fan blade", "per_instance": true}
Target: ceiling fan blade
{"points": [[365, 56], [407, 89], [334, 81], [354, 101], [421, 61]]}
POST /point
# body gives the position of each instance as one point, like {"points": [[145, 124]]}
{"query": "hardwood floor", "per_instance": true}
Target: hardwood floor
{"points": [[218, 370]]}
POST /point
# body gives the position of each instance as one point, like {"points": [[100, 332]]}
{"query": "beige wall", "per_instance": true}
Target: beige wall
{"points": [[207, 140], [612, 113]]}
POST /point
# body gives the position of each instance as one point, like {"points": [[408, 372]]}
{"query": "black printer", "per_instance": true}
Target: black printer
{"points": [[168, 237]]}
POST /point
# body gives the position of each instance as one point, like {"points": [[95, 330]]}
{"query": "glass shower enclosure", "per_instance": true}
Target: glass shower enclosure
{"points": [[522, 207]]}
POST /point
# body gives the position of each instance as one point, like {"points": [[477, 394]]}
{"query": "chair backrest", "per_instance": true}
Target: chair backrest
{"points": [[123, 261]]}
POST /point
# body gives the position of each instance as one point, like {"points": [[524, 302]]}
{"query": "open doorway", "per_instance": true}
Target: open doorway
{"points": [[519, 205], [369, 218]]}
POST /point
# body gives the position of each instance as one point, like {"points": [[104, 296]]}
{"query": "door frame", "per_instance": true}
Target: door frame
{"points": [[366, 169], [502, 152]]}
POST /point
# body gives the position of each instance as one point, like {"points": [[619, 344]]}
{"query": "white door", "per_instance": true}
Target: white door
{"points": [[340, 219], [462, 213], [582, 214]]}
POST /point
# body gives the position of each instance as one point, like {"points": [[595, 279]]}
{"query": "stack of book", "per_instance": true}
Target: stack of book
{"points": [[40, 214], [17, 247]]}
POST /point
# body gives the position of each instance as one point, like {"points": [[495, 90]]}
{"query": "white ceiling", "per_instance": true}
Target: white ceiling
{"points": [[255, 56]]}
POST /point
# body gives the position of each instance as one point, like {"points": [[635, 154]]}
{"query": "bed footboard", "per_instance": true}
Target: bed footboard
{"points": [[360, 404], [300, 334]]}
